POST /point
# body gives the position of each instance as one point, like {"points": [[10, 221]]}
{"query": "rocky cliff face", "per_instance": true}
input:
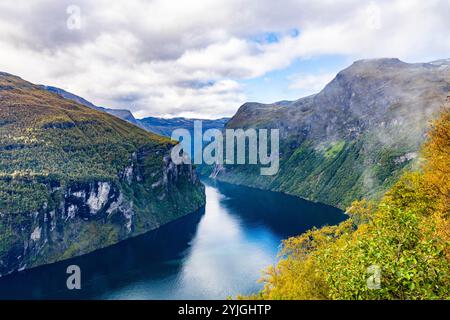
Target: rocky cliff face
{"points": [[74, 180], [352, 139], [90, 215]]}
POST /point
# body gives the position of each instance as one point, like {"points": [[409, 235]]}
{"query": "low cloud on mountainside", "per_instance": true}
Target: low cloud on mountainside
{"points": [[193, 58]]}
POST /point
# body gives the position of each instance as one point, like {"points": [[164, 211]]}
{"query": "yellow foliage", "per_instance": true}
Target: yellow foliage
{"points": [[405, 236]]}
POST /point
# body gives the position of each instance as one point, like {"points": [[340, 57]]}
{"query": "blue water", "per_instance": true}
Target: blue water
{"points": [[214, 253]]}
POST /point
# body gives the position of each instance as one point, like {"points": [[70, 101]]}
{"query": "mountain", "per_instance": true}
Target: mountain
{"points": [[120, 113], [354, 138], [74, 179], [404, 233], [165, 127], [160, 126]]}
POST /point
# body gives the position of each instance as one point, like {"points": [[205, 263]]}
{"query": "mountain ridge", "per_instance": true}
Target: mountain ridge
{"points": [[353, 138], [157, 125], [124, 114]]}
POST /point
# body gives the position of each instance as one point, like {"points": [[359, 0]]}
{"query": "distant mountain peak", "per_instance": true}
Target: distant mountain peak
{"points": [[380, 61], [441, 62]]}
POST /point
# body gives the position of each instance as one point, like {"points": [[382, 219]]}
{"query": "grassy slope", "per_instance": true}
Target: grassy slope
{"points": [[43, 136], [46, 140], [335, 174]]}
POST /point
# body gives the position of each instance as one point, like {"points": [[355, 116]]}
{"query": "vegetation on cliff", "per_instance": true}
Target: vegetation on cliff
{"points": [[405, 235], [354, 138], [74, 179]]}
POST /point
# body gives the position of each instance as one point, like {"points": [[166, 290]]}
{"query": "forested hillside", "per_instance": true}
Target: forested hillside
{"points": [[405, 235], [74, 179]]}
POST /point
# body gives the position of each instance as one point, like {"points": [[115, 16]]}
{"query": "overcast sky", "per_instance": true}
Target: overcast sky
{"points": [[205, 58]]}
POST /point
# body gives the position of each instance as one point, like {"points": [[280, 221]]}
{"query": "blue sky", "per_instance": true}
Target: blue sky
{"points": [[274, 85]]}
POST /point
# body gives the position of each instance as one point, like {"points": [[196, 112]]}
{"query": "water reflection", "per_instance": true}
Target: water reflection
{"points": [[214, 253]]}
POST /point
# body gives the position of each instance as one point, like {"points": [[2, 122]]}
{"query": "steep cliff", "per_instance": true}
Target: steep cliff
{"points": [[74, 179], [352, 139]]}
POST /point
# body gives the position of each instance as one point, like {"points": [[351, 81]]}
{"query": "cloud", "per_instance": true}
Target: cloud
{"points": [[188, 57], [310, 83]]}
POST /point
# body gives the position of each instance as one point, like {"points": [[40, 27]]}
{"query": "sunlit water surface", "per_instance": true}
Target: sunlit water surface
{"points": [[214, 253]]}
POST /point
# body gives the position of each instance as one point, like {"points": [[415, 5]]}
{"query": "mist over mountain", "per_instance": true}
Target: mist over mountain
{"points": [[353, 138]]}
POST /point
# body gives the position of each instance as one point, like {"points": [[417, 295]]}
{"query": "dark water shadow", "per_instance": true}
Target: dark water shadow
{"points": [[109, 268], [283, 214]]}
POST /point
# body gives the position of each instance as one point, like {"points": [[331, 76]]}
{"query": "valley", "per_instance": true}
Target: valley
{"points": [[79, 181], [214, 252]]}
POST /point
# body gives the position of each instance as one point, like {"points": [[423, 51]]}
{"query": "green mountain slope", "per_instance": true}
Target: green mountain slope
{"points": [[160, 126], [74, 179], [354, 138], [123, 114]]}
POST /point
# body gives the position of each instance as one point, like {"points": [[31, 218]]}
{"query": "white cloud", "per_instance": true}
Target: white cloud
{"points": [[310, 83], [187, 57]]}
